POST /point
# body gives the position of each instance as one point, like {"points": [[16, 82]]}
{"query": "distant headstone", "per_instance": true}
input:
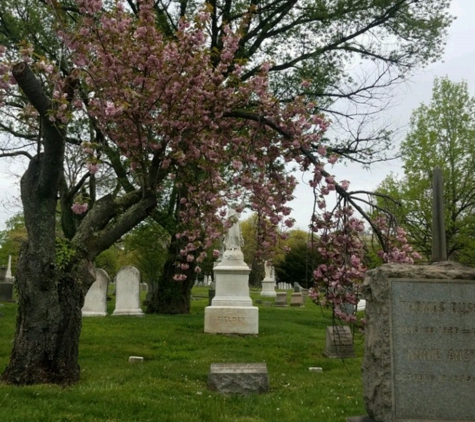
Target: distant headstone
{"points": [[339, 342], [297, 288], [95, 302], [127, 300], [419, 361], [268, 284], [238, 378], [281, 299], [6, 292], [296, 299]]}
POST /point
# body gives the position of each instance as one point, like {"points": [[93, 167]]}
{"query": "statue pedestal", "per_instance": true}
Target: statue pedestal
{"points": [[231, 310], [268, 288]]}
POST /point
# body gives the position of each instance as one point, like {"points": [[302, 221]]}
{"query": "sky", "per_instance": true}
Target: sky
{"points": [[458, 63]]}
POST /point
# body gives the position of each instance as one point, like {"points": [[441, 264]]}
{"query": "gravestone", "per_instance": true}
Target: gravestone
{"points": [[6, 292], [231, 310], [419, 360], [339, 342], [127, 300], [95, 302], [281, 299], [268, 284], [151, 287], [296, 299], [238, 378]]}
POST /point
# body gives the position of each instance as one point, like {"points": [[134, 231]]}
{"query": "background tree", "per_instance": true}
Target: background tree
{"points": [[442, 134], [299, 261], [146, 248]]}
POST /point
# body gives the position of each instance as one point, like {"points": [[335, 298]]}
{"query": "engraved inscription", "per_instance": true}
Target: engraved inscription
{"points": [[432, 350], [224, 318]]}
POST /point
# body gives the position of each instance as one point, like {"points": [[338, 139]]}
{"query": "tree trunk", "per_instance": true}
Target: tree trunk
{"points": [[171, 296], [48, 323]]}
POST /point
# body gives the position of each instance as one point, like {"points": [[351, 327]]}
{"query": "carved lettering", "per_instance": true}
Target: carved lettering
{"points": [[416, 377], [463, 308], [423, 307], [224, 318], [424, 354], [461, 355]]}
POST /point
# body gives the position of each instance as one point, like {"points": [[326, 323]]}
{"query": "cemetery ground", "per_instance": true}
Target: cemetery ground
{"points": [[171, 384]]}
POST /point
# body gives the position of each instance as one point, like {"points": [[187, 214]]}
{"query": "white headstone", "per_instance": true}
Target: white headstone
{"points": [[127, 287], [95, 302], [268, 284]]}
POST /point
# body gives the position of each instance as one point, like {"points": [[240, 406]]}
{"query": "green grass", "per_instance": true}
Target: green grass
{"points": [[170, 386]]}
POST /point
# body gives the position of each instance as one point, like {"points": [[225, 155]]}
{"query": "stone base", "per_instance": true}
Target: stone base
{"points": [[281, 299], [268, 288], [6, 292], [238, 378], [339, 343], [232, 320], [296, 299], [93, 314], [268, 294], [128, 312]]}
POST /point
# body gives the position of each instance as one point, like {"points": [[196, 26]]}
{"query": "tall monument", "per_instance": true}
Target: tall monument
{"points": [[231, 310], [268, 284]]}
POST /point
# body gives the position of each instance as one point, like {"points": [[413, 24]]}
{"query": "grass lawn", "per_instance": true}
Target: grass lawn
{"points": [[170, 386]]}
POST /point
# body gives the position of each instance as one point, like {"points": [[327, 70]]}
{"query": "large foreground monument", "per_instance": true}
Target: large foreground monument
{"points": [[231, 310]]}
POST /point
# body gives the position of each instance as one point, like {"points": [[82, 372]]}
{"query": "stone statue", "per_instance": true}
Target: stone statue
{"points": [[233, 238], [269, 269], [8, 274]]}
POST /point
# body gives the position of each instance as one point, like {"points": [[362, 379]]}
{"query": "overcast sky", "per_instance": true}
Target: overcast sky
{"points": [[458, 64]]}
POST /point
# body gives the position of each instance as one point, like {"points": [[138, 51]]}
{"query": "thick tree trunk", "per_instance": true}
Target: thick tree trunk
{"points": [[171, 296], [48, 323]]}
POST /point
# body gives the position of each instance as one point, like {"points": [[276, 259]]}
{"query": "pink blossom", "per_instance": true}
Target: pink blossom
{"points": [[92, 168], [78, 208]]}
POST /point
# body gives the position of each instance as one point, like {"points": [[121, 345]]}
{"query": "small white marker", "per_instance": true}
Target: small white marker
{"points": [[315, 369], [135, 359]]}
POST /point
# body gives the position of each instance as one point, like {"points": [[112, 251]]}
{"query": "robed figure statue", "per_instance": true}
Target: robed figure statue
{"points": [[233, 238]]}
